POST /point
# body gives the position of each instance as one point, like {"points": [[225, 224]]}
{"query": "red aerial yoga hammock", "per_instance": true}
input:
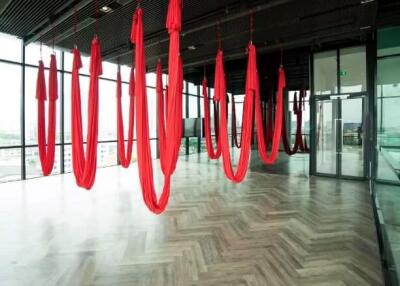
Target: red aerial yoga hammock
{"points": [[262, 148], [84, 166], [46, 150], [173, 127], [125, 158], [299, 139], [213, 154], [234, 131], [247, 125]]}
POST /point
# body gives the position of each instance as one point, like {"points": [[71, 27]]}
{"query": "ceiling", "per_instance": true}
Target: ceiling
{"points": [[296, 26]]}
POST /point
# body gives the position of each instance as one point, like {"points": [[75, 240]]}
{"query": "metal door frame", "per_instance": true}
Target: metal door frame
{"points": [[337, 101]]}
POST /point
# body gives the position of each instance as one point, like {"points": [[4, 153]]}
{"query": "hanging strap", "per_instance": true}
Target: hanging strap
{"points": [[220, 92], [213, 154], [47, 149], [125, 158], [174, 102], [84, 167]]}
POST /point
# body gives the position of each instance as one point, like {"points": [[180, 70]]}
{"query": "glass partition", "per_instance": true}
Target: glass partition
{"points": [[353, 70], [325, 73]]}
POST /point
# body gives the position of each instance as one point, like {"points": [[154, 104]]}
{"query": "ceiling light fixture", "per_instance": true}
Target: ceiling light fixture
{"points": [[105, 9]]}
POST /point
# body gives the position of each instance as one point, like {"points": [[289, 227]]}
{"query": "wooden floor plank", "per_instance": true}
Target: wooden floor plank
{"points": [[270, 230]]}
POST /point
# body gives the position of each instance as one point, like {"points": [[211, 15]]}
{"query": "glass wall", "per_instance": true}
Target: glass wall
{"points": [[305, 125], [340, 71], [18, 110], [10, 99], [387, 185], [325, 73], [388, 102]]}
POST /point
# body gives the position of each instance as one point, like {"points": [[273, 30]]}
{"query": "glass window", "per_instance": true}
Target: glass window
{"points": [[33, 55], [325, 73], [192, 89], [125, 73], [152, 111], [151, 79], [11, 48], [389, 41], [388, 99], [184, 96], [31, 105], [110, 70], [106, 154], [353, 70], [107, 110], [68, 158], [193, 107], [10, 164], [10, 129], [32, 161]]}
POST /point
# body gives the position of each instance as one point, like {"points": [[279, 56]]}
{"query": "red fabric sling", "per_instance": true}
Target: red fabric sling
{"points": [[299, 140], [46, 150], [160, 115], [262, 148], [247, 125], [234, 128], [84, 167], [213, 154], [174, 102], [125, 158]]}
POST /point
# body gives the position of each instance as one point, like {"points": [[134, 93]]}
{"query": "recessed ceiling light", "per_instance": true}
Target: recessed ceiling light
{"points": [[105, 9]]}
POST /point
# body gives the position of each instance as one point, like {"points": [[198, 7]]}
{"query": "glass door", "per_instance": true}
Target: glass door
{"points": [[351, 150], [340, 137], [327, 118]]}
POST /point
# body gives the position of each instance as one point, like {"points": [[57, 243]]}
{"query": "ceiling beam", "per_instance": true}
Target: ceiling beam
{"points": [[154, 40], [5, 6], [46, 25]]}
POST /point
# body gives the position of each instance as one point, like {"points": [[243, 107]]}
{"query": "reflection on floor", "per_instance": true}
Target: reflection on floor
{"points": [[297, 164], [270, 230], [389, 202]]}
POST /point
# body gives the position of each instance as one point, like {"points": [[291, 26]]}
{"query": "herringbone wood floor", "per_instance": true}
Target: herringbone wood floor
{"points": [[270, 230]]}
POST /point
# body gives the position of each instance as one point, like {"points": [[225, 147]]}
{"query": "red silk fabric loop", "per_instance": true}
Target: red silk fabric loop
{"points": [[161, 115], [173, 125], [125, 158], [84, 166], [47, 150], [262, 148], [247, 125], [213, 154]]}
